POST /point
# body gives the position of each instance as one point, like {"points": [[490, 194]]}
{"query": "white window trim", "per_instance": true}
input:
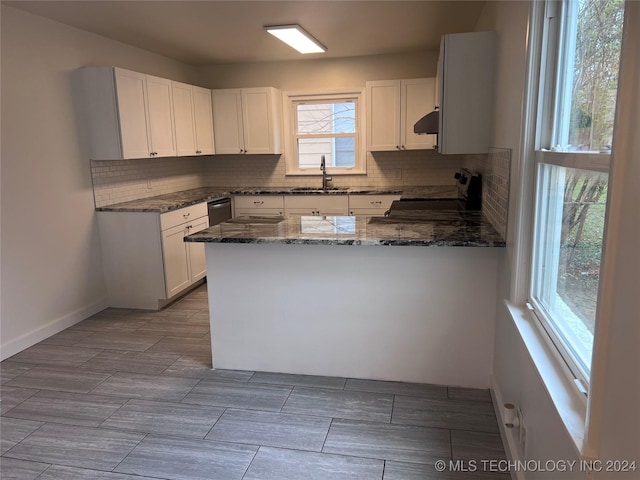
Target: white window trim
{"points": [[291, 161], [558, 380]]}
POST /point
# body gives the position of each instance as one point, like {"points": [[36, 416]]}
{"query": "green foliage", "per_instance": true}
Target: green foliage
{"points": [[595, 80]]}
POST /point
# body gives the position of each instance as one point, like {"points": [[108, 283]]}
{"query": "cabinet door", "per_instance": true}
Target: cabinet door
{"points": [[175, 256], [131, 94], [316, 204], [417, 100], [160, 117], [197, 261], [257, 120], [227, 121], [203, 114], [383, 115], [370, 204], [183, 114]]}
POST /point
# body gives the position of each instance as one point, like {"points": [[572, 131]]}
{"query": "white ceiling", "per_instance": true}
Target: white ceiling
{"points": [[216, 32]]}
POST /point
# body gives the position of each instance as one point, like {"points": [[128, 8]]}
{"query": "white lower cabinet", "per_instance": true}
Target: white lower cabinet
{"points": [[370, 204], [184, 263], [145, 259], [258, 205], [316, 204]]}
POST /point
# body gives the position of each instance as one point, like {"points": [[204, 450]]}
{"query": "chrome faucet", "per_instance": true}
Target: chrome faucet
{"points": [[325, 178]]}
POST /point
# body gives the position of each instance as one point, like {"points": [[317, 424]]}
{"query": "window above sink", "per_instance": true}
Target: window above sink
{"points": [[325, 124]]}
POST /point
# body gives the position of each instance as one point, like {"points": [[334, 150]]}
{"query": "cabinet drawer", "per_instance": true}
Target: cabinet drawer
{"points": [[317, 202], [258, 202], [258, 212], [183, 215], [371, 201]]}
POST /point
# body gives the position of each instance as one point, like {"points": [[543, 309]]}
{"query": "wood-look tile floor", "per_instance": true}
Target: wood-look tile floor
{"points": [[129, 395]]}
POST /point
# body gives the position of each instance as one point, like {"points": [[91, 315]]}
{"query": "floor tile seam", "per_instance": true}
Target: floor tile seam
{"points": [[22, 401], [61, 465], [384, 459], [129, 453], [49, 465], [452, 400], [395, 394], [335, 390], [214, 423], [244, 474], [115, 411], [238, 408], [18, 443], [446, 428], [343, 455], [146, 433], [190, 390], [300, 415], [293, 386], [326, 435], [259, 445], [70, 365]]}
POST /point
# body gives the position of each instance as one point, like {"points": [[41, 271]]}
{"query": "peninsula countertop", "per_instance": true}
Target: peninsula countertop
{"points": [[173, 201], [444, 228]]}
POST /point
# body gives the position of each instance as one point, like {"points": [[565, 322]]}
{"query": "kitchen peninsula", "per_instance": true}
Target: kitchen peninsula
{"points": [[406, 298]]}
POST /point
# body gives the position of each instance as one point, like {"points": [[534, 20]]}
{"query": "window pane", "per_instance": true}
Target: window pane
{"points": [[326, 117], [337, 151], [570, 225], [591, 78], [345, 152]]}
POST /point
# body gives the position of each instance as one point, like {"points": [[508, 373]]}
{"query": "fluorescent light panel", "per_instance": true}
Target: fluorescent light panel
{"points": [[295, 36]]}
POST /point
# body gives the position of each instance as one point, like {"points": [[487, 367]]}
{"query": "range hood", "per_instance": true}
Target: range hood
{"points": [[428, 124]]}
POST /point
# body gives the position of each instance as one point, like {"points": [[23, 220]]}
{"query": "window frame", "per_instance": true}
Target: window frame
{"points": [[550, 123], [291, 99]]}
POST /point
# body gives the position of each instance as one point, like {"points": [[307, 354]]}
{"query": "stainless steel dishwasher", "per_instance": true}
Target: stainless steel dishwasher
{"points": [[219, 211]]}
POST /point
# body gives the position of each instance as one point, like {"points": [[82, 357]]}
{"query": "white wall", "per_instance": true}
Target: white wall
{"points": [[327, 73], [516, 377], [51, 266]]}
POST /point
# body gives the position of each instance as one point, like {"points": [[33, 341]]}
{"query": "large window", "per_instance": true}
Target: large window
{"points": [[578, 92], [324, 125]]}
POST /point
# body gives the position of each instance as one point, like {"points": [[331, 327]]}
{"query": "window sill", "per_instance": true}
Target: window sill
{"points": [[570, 403]]}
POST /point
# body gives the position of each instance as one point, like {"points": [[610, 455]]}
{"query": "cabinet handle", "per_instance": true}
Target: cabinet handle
{"points": [[186, 215], [242, 150], [198, 152], [379, 202], [403, 147], [397, 147], [258, 202]]}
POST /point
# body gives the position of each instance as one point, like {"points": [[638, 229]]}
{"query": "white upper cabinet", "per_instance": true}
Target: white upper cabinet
{"points": [[193, 119], [203, 114], [160, 117], [247, 120], [129, 114], [183, 112], [393, 106], [466, 92]]}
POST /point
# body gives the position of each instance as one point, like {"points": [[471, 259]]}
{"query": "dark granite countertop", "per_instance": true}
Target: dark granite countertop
{"points": [[185, 198], [445, 228]]}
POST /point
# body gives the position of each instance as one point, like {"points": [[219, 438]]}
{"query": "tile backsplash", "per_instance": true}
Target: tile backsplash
{"points": [[495, 170], [418, 167], [116, 181]]}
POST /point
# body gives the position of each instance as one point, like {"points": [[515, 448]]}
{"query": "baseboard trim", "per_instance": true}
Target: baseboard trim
{"points": [[509, 439], [29, 339]]}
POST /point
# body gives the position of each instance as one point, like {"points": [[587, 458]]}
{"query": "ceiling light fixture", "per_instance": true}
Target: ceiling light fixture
{"points": [[295, 36]]}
